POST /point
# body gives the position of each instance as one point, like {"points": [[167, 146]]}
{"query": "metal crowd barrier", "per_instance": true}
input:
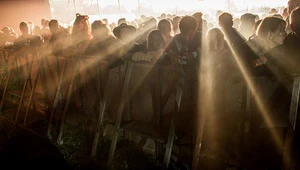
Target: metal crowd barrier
{"points": [[20, 65], [58, 95], [291, 154], [143, 101], [73, 87], [159, 97]]}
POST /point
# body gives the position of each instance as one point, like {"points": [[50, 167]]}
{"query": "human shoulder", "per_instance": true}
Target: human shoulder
{"points": [[291, 38]]}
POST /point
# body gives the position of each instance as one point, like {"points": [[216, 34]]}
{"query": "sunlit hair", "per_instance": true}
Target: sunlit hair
{"points": [[277, 15], [255, 27], [187, 23], [214, 38], [81, 28], [133, 23], [53, 25], [155, 41], [24, 28], [269, 25], [122, 21], [198, 15], [175, 22], [152, 22], [292, 4], [100, 29], [266, 29], [53, 22], [294, 17], [225, 20], [165, 26], [6, 30]]}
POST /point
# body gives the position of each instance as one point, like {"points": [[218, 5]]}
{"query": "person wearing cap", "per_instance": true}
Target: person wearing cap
{"points": [[127, 45]]}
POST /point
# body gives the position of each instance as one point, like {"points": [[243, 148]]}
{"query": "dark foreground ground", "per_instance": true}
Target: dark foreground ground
{"points": [[22, 147]]}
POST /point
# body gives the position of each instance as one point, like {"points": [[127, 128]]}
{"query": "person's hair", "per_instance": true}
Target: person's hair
{"points": [[214, 35], [100, 29], [53, 26], [248, 17], [273, 10], [37, 29], [105, 20], [6, 30], [24, 25], [43, 22], [215, 31], [175, 21], [295, 14], [187, 23], [226, 20], [198, 15], [165, 26], [124, 30], [155, 41], [267, 25], [163, 16], [46, 23], [277, 15], [86, 30], [133, 23], [236, 22], [151, 23], [129, 30], [53, 22], [255, 27], [292, 4], [122, 21]]}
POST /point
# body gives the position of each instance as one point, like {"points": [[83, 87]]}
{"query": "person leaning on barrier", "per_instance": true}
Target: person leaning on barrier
{"points": [[244, 54], [221, 66], [219, 51], [183, 54], [103, 43], [126, 45], [166, 28], [271, 34], [148, 26], [155, 48], [7, 36], [272, 87], [27, 38], [269, 41], [80, 36], [24, 38], [184, 48], [58, 38]]}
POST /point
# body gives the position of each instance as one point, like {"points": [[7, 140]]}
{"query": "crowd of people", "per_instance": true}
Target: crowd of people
{"points": [[248, 46]]}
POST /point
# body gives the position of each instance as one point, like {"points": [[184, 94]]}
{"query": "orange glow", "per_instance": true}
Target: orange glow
{"points": [[15, 11]]}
